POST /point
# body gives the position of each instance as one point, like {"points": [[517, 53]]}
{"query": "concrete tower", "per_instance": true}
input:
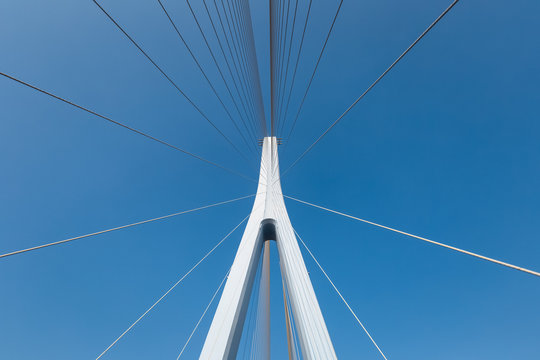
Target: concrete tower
{"points": [[268, 221]]}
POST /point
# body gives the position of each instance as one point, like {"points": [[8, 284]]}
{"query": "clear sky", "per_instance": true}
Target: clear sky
{"points": [[447, 146]]}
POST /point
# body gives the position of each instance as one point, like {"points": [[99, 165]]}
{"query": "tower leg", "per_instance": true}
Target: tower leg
{"points": [[268, 221]]}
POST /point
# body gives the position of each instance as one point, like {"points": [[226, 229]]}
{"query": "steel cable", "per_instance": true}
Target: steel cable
{"points": [[125, 126], [532, 272], [120, 227], [314, 70], [170, 80], [371, 86], [170, 289], [212, 87]]}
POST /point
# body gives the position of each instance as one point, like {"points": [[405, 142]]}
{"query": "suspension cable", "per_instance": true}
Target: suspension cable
{"points": [[236, 64], [341, 296], [315, 69], [281, 59], [220, 71], [125, 126], [171, 288], [272, 38], [170, 80], [297, 62], [242, 47], [236, 60], [203, 314], [255, 62], [280, 100], [420, 238], [372, 85], [121, 227], [199, 66]]}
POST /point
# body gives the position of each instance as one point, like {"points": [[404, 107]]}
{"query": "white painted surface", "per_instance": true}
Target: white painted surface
{"points": [[224, 335]]}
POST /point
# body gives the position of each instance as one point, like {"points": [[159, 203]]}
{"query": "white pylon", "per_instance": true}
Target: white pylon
{"points": [[268, 221]]}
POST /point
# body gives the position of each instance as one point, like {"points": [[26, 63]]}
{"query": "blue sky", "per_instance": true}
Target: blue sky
{"points": [[447, 146]]}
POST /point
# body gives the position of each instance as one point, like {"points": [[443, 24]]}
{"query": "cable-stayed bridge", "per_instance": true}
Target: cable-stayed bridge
{"points": [[227, 32]]}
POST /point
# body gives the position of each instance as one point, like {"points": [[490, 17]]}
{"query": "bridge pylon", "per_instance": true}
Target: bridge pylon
{"points": [[268, 221]]}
